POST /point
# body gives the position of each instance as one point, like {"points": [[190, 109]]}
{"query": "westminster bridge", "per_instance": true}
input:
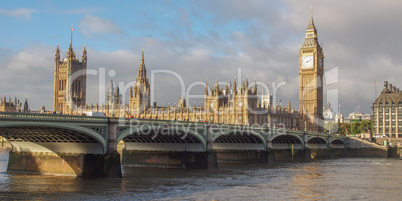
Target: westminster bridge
{"points": [[87, 145]]}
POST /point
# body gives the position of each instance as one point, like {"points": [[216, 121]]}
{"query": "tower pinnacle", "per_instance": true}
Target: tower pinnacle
{"points": [[311, 24], [142, 72]]}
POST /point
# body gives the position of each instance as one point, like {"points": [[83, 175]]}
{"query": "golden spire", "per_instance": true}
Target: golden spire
{"points": [[142, 72], [311, 24]]}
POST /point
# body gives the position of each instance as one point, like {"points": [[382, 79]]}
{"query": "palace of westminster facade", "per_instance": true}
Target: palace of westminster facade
{"points": [[233, 104]]}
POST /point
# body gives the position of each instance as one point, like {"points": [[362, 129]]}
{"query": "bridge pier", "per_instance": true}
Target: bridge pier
{"points": [[112, 158], [54, 154], [69, 164]]}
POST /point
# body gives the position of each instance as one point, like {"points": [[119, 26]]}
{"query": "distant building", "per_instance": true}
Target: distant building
{"points": [[10, 106], [359, 117], [339, 118], [70, 80], [311, 71], [234, 103], [387, 112]]}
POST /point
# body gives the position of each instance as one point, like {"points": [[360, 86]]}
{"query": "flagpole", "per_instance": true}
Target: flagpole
{"points": [[71, 35], [375, 97]]}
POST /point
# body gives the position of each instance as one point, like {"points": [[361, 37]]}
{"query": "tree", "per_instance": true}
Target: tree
{"points": [[366, 126], [355, 128], [344, 128]]}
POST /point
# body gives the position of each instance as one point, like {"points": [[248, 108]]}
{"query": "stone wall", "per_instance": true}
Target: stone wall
{"points": [[72, 164], [169, 159], [244, 156]]}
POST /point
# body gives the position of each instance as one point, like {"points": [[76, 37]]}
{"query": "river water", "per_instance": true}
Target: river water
{"points": [[338, 179]]}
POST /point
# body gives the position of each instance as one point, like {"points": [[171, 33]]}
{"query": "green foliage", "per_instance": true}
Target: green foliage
{"points": [[344, 128], [355, 127]]}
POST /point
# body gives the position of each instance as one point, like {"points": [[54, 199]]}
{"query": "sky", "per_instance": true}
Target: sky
{"points": [[187, 43]]}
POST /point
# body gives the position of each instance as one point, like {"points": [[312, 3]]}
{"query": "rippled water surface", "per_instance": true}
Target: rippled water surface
{"points": [[339, 179]]}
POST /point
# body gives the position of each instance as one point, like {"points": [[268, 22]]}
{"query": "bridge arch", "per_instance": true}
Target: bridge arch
{"points": [[54, 137], [162, 138], [317, 142], [338, 144], [285, 141], [239, 141]]}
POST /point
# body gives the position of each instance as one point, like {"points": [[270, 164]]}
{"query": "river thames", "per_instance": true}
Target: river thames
{"points": [[338, 179]]}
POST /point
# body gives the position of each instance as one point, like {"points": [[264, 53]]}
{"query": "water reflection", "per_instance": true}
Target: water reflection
{"points": [[341, 179], [307, 179]]}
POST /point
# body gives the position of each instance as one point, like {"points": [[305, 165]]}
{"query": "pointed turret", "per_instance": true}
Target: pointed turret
{"points": [[142, 72], [70, 52], [234, 87], [311, 24], [217, 87], [311, 32], [140, 98], [26, 107], [84, 54], [255, 86], [206, 87], [57, 55]]}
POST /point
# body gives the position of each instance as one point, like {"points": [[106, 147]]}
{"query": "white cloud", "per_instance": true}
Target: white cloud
{"points": [[29, 73], [20, 13], [97, 26], [360, 38]]}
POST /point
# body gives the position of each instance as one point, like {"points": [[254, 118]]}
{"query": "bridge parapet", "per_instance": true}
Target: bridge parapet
{"points": [[50, 117]]}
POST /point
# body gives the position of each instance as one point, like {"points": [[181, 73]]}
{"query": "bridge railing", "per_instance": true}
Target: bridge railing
{"points": [[19, 115], [131, 121]]}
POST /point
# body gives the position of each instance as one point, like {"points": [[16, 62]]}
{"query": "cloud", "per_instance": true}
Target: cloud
{"points": [[28, 73], [77, 11], [20, 13], [97, 26], [262, 39]]}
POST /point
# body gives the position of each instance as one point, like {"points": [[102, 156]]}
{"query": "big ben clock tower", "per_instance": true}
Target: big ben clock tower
{"points": [[311, 68]]}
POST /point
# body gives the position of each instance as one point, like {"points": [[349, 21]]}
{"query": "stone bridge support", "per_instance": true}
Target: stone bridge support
{"points": [[111, 162], [45, 153]]}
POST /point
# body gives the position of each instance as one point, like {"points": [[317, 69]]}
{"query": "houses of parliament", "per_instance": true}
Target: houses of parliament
{"points": [[236, 103]]}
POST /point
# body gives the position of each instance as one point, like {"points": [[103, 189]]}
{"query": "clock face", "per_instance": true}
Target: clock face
{"points": [[307, 62]]}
